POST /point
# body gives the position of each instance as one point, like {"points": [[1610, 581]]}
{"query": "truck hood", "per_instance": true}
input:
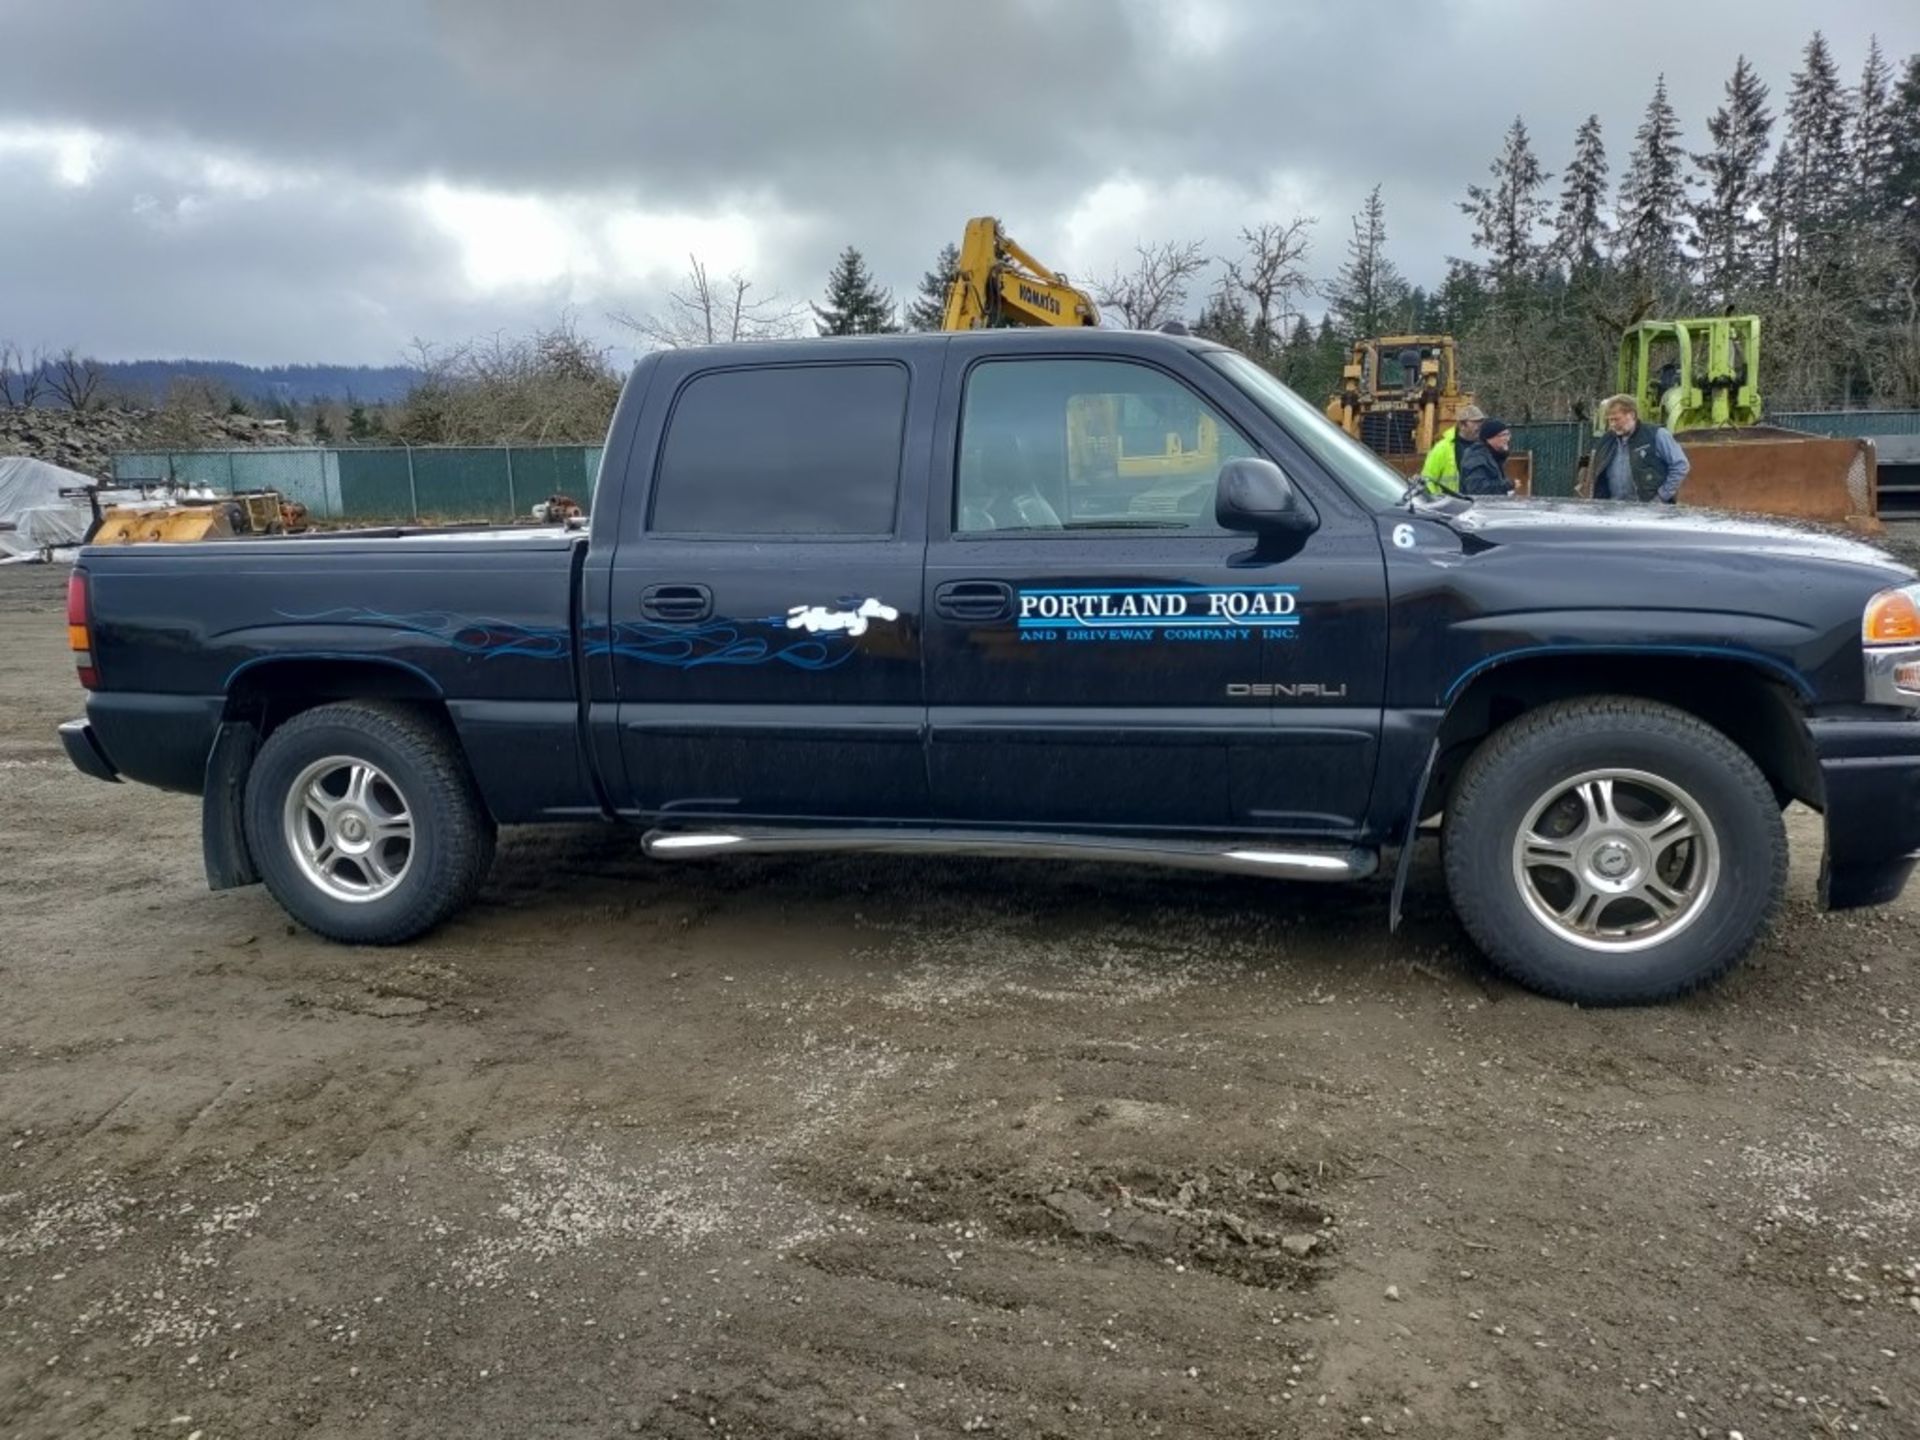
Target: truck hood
{"points": [[1586, 524]]}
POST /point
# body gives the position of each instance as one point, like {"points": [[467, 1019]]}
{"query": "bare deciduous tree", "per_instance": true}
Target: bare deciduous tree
{"points": [[1270, 272], [703, 311], [1154, 291], [552, 388], [22, 376], [75, 379]]}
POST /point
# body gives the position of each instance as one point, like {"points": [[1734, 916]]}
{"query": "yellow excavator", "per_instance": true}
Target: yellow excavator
{"points": [[999, 284]]}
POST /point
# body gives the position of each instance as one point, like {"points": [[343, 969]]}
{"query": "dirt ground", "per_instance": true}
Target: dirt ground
{"points": [[852, 1147]]}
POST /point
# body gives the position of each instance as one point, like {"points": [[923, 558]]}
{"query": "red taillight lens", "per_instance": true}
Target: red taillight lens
{"points": [[79, 638]]}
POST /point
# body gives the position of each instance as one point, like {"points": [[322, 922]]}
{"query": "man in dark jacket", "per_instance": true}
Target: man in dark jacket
{"points": [[1483, 464], [1634, 460]]}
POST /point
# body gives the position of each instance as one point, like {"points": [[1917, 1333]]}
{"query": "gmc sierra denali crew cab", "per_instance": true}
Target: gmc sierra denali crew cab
{"points": [[1071, 595]]}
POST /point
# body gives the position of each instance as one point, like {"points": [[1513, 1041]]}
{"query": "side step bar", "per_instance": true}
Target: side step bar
{"points": [[1287, 862]]}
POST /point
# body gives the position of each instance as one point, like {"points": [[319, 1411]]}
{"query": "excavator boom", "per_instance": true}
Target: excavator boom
{"points": [[999, 283]]}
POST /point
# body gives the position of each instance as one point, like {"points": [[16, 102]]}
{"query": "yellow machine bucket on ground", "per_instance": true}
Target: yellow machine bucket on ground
{"points": [[253, 512], [1766, 470], [172, 524]]}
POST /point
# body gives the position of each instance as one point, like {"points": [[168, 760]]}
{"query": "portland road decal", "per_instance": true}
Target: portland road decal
{"points": [[1170, 612]]}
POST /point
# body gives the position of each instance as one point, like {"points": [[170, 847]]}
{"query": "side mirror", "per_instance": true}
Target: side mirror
{"points": [[1255, 496]]}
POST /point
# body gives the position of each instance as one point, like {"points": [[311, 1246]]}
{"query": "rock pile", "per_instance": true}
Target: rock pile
{"points": [[86, 440]]}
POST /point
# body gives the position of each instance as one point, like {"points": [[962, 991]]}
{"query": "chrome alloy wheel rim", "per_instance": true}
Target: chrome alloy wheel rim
{"points": [[1616, 860], [349, 828]]}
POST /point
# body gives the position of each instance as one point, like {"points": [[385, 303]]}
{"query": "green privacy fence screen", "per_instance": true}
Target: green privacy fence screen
{"points": [[422, 482]]}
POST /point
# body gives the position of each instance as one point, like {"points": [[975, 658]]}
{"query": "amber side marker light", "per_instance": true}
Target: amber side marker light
{"points": [[1892, 618], [79, 640]]}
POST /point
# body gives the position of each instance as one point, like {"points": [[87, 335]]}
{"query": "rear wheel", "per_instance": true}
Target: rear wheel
{"points": [[1614, 851], [365, 824]]}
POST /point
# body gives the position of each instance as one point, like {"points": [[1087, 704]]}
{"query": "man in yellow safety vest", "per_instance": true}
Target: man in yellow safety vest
{"points": [[1442, 468]]}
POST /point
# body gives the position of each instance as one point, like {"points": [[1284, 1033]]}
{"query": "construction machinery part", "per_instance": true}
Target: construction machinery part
{"points": [[998, 284], [1399, 393], [1694, 374], [1699, 378]]}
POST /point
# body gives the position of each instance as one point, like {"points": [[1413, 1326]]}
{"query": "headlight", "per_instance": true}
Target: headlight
{"points": [[1890, 631], [1893, 617]]}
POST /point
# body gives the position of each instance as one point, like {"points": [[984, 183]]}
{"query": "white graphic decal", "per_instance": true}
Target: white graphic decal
{"points": [[1403, 536], [815, 618]]}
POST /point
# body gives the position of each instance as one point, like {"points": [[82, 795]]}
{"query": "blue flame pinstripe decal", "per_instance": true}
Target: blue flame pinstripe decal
{"points": [[682, 647]]}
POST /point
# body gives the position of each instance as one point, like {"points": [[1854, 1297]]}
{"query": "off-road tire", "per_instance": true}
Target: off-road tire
{"points": [[453, 836], [1517, 764]]}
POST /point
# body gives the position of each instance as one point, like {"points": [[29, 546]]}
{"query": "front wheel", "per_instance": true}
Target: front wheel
{"points": [[1614, 851], [365, 824]]}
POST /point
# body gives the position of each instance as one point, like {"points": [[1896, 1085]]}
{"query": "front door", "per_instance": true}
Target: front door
{"points": [[764, 636], [1100, 655]]}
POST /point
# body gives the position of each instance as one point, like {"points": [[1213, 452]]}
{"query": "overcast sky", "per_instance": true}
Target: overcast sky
{"points": [[326, 181]]}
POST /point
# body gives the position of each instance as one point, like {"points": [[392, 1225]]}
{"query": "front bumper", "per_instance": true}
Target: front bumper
{"points": [[84, 750], [1870, 771]]}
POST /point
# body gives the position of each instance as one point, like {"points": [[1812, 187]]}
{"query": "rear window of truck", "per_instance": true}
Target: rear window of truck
{"points": [[783, 450]]}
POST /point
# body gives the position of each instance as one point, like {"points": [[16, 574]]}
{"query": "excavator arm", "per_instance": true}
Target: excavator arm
{"points": [[1000, 284]]}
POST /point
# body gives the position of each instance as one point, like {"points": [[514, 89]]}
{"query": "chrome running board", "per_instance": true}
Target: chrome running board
{"points": [[1286, 862]]}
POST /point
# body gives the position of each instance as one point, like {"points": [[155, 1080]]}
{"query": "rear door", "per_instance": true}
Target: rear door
{"points": [[1100, 654], [764, 636]]}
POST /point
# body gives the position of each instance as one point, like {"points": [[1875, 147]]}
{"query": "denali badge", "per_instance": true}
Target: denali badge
{"points": [[1303, 690]]}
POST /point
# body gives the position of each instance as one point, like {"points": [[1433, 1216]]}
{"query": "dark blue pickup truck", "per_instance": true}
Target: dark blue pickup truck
{"points": [[1074, 595]]}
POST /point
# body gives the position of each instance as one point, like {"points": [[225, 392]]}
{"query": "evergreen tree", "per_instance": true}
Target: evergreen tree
{"points": [[1461, 300], [1508, 214], [1727, 228], [1874, 136], [322, 430], [1225, 318], [1368, 288], [1296, 356], [1819, 182], [929, 307], [1652, 193], [1901, 181], [856, 304], [1579, 230]]}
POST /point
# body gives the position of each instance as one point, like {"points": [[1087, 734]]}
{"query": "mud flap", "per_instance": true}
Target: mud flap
{"points": [[1411, 838], [223, 833]]}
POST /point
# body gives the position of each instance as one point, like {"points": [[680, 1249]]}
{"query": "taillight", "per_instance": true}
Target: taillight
{"points": [[79, 639]]}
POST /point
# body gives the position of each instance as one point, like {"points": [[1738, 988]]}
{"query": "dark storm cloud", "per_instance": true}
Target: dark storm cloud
{"points": [[881, 124]]}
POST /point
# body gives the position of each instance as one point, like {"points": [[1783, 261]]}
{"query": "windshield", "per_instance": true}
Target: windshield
{"points": [[1363, 472]]}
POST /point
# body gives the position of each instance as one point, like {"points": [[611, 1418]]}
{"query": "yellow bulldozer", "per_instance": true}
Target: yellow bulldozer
{"points": [[1400, 393]]}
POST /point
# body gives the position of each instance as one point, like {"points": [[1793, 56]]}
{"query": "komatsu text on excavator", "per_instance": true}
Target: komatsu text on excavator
{"points": [[999, 284]]}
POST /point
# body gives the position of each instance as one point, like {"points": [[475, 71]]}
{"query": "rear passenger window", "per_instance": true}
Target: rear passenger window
{"points": [[792, 450]]}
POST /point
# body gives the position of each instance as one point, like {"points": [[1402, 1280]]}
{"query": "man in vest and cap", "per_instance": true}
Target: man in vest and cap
{"points": [[1634, 460], [1442, 468]]}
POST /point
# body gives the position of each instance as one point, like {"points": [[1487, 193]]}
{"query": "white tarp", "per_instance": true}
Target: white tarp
{"points": [[34, 515]]}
